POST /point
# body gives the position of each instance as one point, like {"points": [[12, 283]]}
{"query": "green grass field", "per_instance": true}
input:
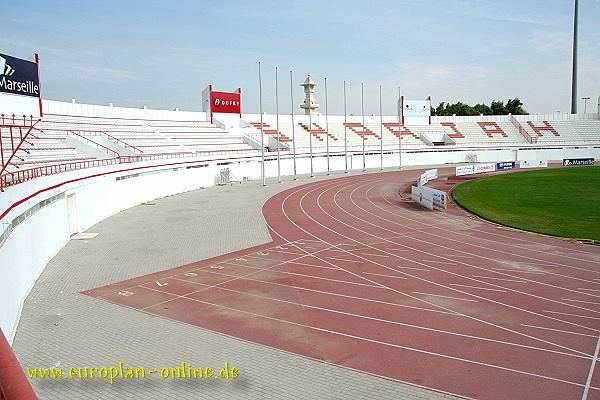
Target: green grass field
{"points": [[561, 202]]}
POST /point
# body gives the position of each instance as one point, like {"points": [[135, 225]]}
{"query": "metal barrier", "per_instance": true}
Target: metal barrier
{"points": [[522, 130], [16, 177], [13, 382]]}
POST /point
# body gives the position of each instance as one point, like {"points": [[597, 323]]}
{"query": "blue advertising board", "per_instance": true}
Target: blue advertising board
{"points": [[505, 165], [567, 162]]}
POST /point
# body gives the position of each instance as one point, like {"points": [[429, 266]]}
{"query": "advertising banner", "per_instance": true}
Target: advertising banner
{"points": [[533, 164], [567, 162], [427, 176], [440, 199], [506, 165], [422, 196], [225, 102], [480, 168], [475, 169], [19, 76], [416, 108], [465, 170]]}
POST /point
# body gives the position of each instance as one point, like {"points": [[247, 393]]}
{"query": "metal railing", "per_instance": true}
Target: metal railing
{"points": [[111, 137], [522, 131], [96, 144], [16, 177]]}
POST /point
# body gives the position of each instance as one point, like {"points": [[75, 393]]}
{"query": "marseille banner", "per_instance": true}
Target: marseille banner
{"points": [[19, 76], [567, 162]]}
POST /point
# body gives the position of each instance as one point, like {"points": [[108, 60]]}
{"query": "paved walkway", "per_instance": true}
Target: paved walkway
{"points": [[60, 327]]}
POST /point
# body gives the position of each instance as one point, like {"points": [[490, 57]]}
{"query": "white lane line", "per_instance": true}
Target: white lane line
{"points": [[285, 252], [477, 287], [498, 279], [558, 330], [582, 301], [375, 255], [346, 296], [413, 268], [446, 297], [518, 270], [311, 265], [540, 264], [591, 373], [596, 279], [387, 276], [374, 341], [572, 315], [399, 323], [439, 262], [458, 255], [397, 249], [409, 295], [591, 290], [341, 259]]}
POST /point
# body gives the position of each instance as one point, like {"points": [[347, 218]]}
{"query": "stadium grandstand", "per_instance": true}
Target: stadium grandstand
{"points": [[296, 253]]}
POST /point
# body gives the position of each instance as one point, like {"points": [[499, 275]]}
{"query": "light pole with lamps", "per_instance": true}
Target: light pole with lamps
{"points": [[585, 99]]}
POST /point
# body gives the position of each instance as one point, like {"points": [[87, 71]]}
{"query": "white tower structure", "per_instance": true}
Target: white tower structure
{"points": [[309, 105]]}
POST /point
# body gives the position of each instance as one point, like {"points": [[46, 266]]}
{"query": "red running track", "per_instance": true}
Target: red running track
{"points": [[359, 276]]}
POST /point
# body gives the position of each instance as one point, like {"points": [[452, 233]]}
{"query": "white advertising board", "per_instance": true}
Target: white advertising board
{"points": [[423, 196], [465, 170], [533, 164], [440, 199], [475, 169], [416, 108], [427, 176]]}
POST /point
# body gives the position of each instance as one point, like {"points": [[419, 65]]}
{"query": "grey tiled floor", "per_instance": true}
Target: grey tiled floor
{"points": [[61, 327]]}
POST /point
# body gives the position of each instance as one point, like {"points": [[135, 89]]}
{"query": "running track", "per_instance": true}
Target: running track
{"points": [[360, 277]]}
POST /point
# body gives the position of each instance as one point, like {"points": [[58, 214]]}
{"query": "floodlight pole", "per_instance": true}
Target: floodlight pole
{"points": [[399, 129], [327, 128], [312, 171], [293, 127], [346, 132], [380, 129], [262, 135], [362, 109], [585, 99], [574, 74], [277, 124]]}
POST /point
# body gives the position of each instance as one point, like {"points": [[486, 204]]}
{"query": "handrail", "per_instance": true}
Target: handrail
{"points": [[22, 139], [98, 145], [16, 177], [521, 130], [13, 382], [14, 120], [100, 133]]}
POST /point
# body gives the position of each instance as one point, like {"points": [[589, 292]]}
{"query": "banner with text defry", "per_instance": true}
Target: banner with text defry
{"points": [[221, 102]]}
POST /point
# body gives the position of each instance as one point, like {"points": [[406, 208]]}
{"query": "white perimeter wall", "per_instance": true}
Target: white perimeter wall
{"points": [[92, 110]]}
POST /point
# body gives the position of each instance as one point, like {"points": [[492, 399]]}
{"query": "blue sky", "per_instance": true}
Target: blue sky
{"points": [[163, 54]]}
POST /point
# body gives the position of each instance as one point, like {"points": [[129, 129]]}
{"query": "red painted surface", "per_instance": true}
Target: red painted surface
{"points": [[358, 276], [544, 127], [13, 382], [490, 128]]}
